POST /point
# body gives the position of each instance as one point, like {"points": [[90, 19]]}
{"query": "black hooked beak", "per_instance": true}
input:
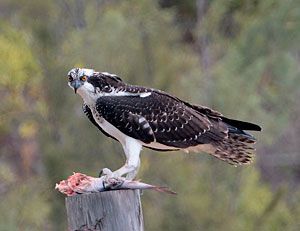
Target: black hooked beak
{"points": [[76, 84]]}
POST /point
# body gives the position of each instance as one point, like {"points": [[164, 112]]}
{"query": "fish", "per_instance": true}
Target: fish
{"points": [[79, 183]]}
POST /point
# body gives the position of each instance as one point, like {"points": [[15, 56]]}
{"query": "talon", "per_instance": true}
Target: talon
{"points": [[113, 183], [105, 172]]}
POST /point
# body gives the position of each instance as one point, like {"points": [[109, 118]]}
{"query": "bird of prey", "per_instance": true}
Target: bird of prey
{"points": [[139, 117]]}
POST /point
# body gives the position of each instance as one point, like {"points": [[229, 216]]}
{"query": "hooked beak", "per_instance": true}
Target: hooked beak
{"points": [[76, 84]]}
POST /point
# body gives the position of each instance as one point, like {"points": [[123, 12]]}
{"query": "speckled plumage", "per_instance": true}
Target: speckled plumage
{"points": [[158, 120]]}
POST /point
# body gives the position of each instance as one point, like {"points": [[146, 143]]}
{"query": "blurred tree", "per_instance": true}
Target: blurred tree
{"points": [[22, 109], [240, 57]]}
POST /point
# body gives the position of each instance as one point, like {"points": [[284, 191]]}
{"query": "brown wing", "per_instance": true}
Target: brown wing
{"points": [[161, 118]]}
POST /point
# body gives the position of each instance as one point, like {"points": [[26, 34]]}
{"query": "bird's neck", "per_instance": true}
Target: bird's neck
{"points": [[88, 97]]}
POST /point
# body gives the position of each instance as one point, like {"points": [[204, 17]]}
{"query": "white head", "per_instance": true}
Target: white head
{"points": [[78, 72], [90, 84], [78, 81]]}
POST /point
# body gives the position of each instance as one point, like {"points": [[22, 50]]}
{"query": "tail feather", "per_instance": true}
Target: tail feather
{"points": [[241, 125], [232, 144], [235, 150]]}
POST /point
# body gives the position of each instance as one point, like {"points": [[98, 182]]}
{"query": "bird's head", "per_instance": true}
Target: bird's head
{"points": [[78, 78], [89, 83]]}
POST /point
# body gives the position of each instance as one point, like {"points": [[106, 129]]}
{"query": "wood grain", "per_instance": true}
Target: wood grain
{"points": [[105, 211]]}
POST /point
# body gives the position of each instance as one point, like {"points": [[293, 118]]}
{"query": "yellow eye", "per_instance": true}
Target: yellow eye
{"points": [[83, 78]]}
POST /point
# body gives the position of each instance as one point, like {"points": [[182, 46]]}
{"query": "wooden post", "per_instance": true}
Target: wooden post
{"points": [[105, 211]]}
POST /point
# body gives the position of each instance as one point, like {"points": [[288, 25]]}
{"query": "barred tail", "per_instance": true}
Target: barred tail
{"points": [[237, 149]]}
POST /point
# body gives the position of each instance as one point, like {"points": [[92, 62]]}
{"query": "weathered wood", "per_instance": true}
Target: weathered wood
{"points": [[105, 211]]}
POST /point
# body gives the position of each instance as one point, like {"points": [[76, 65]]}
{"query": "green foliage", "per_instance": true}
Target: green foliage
{"points": [[203, 202], [260, 60], [20, 76], [24, 204], [142, 40], [247, 68]]}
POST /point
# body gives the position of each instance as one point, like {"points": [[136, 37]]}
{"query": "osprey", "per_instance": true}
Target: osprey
{"points": [[139, 117]]}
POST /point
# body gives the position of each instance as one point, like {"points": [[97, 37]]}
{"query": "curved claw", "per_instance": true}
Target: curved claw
{"points": [[113, 183], [105, 172]]}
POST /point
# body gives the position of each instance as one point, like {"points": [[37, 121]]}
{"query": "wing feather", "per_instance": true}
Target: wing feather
{"points": [[161, 118], [125, 117]]}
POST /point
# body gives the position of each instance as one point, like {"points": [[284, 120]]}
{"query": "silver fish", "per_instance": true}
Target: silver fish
{"points": [[79, 183]]}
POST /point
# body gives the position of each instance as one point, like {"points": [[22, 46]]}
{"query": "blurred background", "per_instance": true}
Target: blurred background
{"points": [[240, 57]]}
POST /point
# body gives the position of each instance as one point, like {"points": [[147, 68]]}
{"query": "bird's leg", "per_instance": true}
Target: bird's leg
{"points": [[132, 149], [131, 175], [130, 169]]}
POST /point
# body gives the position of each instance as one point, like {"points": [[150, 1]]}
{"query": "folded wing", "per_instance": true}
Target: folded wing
{"points": [[160, 118]]}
